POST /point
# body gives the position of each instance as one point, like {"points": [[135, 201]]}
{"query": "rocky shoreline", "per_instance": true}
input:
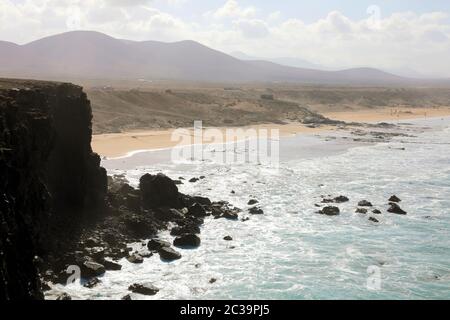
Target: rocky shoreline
{"points": [[134, 215], [60, 211]]}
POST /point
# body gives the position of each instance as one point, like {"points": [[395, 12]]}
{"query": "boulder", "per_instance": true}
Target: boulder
{"points": [[228, 238], [373, 220], [229, 215], [394, 198], [255, 210], [193, 180], [197, 210], [361, 210], [203, 201], [156, 244], [341, 199], [252, 202], [135, 258], [158, 191], [96, 253], [365, 203], [187, 240], [395, 208], [376, 211], [126, 297], [140, 225], [168, 214], [91, 269], [169, 254], [178, 231], [110, 265], [92, 283], [146, 289], [330, 211]]}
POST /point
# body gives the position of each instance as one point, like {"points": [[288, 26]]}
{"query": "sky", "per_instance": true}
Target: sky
{"points": [[395, 35]]}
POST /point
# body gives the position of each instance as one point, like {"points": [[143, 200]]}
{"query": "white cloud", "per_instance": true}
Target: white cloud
{"points": [[232, 9], [274, 16], [252, 28], [403, 39]]}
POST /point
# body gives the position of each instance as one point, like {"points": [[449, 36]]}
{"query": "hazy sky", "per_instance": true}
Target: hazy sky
{"points": [[389, 34]]}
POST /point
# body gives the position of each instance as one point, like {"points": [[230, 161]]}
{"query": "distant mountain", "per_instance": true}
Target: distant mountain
{"points": [[286, 61], [93, 55]]}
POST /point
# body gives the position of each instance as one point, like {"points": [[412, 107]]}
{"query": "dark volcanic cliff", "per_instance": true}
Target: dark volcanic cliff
{"points": [[50, 178], [56, 207]]}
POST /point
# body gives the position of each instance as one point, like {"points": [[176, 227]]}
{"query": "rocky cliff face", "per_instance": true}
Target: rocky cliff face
{"points": [[51, 181]]}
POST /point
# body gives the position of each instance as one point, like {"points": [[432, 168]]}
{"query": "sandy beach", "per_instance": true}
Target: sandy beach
{"points": [[120, 144]]}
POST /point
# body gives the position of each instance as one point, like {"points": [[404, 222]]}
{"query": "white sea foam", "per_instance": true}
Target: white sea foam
{"points": [[292, 253]]}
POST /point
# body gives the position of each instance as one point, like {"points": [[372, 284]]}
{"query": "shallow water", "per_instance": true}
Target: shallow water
{"points": [[292, 253]]}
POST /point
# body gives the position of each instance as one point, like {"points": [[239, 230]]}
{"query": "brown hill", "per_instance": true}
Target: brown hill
{"points": [[93, 55]]}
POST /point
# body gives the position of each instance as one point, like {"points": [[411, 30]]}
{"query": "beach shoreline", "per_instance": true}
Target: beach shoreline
{"points": [[119, 145]]}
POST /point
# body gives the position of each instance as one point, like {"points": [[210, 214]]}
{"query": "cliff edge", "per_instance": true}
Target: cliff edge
{"points": [[51, 179]]}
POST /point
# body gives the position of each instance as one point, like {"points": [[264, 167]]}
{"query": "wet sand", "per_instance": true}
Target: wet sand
{"points": [[120, 144]]}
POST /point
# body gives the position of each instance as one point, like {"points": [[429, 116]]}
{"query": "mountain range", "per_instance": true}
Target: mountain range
{"points": [[93, 55]]}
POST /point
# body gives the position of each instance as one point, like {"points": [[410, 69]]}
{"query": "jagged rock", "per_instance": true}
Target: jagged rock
{"points": [[395, 208], [376, 211], [395, 199], [168, 214], [229, 215], [212, 280], [202, 200], [158, 191], [365, 203], [169, 254], [193, 180], [252, 202], [96, 253], [126, 297], [178, 231], [255, 211], [187, 240], [64, 297], [92, 283], [156, 244], [228, 238], [135, 258], [330, 211], [361, 210], [93, 242], [341, 199], [146, 289], [112, 266], [197, 210], [139, 225], [92, 269], [373, 220]]}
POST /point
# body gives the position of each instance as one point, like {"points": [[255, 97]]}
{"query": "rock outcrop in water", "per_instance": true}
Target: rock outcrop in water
{"points": [[51, 179]]}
